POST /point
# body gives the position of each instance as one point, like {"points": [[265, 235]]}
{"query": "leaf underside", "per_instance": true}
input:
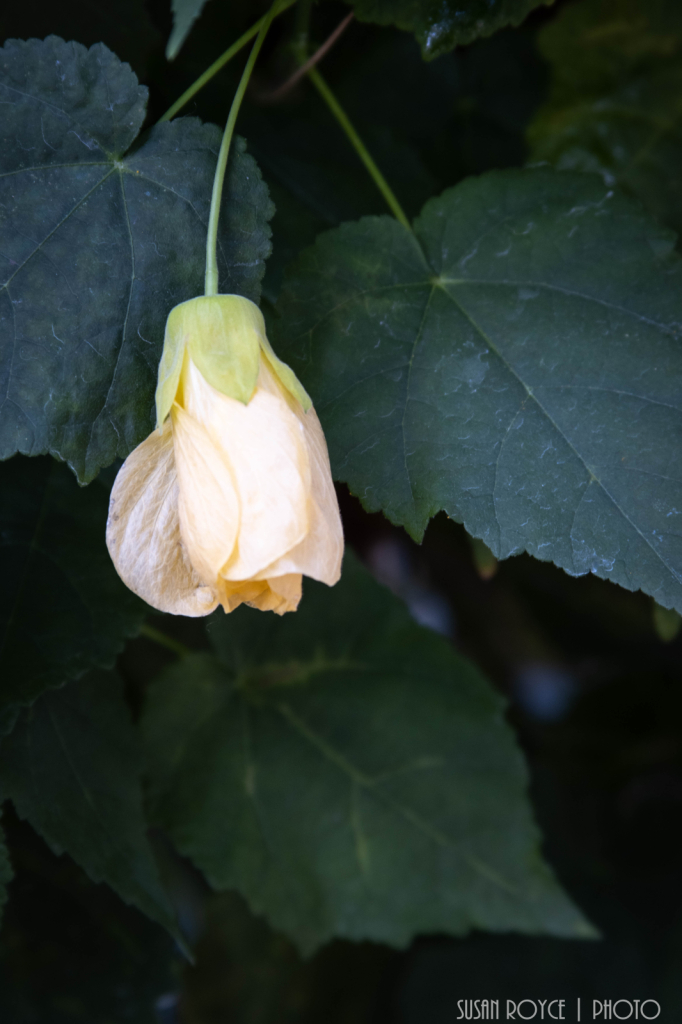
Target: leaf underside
{"points": [[350, 775]]}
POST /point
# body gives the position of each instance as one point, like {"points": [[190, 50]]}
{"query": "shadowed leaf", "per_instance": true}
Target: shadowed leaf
{"points": [[350, 775], [63, 607], [616, 99], [440, 25], [72, 769]]}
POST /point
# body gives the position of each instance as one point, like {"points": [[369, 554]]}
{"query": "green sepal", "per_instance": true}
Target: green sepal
{"points": [[170, 368], [286, 375], [222, 335]]}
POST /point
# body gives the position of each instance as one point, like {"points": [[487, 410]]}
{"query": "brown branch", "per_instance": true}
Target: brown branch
{"points": [[281, 91]]}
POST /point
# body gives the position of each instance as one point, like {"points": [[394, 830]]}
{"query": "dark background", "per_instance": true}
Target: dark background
{"points": [[594, 690]]}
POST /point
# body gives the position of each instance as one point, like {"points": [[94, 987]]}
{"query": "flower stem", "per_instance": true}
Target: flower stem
{"points": [[357, 143], [219, 64], [163, 640], [211, 286]]}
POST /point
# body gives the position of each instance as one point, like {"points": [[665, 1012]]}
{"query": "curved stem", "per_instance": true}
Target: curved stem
{"points": [[219, 64], [281, 91], [211, 285], [357, 143]]}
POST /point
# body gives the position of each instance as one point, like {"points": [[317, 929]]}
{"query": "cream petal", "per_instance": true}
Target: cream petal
{"points": [[279, 595], [231, 595], [288, 589], [208, 505], [320, 553], [143, 531], [264, 443]]}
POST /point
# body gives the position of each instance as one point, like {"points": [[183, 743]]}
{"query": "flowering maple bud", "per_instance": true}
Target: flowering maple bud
{"points": [[231, 499]]}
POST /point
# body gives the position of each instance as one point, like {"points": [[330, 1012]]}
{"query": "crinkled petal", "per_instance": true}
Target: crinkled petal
{"points": [[280, 595], [231, 595], [265, 445], [143, 531], [288, 589], [208, 507]]}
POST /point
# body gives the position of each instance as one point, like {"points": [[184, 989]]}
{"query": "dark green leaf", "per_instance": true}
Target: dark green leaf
{"points": [[63, 607], [516, 362], [97, 247], [440, 25], [6, 872], [616, 100], [243, 972], [71, 768], [185, 13], [71, 952], [349, 774]]}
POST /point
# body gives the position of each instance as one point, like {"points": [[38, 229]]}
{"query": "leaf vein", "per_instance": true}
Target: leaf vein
{"points": [[591, 474], [52, 167], [459, 282], [56, 109], [361, 780], [57, 227]]}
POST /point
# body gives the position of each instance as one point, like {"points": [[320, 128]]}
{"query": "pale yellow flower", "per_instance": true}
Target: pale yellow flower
{"points": [[231, 499]]}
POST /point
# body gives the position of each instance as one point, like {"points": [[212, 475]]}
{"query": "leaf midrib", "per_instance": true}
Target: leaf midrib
{"points": [[462, 282], [365, 782]]}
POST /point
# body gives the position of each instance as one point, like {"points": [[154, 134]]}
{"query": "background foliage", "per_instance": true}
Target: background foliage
{"points": [[344, 782]]}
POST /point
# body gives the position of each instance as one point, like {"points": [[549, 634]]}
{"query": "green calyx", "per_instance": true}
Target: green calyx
{"points": [[224, 336]]}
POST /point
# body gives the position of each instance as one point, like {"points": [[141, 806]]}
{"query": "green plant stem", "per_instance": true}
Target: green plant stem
{"points": [[163, 640], [261, 26], [357, 143], [219, 64], [211, 286]]}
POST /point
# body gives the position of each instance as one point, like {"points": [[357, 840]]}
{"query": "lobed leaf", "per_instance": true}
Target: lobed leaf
{"points": [[616, 98], [516, 362], [72, 769], [63, 608], [97, 244], [350, 775]]}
